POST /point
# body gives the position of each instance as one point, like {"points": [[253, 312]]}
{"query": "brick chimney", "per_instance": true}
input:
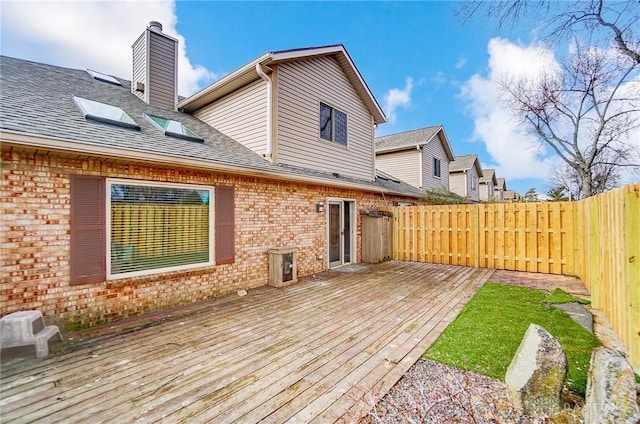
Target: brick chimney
{"points": [[155, 67]]}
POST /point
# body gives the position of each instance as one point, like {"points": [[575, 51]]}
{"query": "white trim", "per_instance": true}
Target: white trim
{"points": [[353, 226], [111, 181]]}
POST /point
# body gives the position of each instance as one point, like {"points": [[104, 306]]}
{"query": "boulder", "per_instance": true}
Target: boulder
{"points": [[611, 390], [536, 374]]}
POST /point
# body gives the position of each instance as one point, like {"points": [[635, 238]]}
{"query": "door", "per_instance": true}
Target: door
{"points": [[341, 224]]}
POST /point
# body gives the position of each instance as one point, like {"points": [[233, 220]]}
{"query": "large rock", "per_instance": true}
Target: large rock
{"points": [[536, 374], [611, 390]]}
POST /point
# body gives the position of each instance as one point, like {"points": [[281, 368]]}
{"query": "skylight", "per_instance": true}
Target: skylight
{"points": [[104, 77], [173, 128], [102, 112]]}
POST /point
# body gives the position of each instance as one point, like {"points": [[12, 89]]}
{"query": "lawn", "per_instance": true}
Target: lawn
{"points": [[486, 334]]}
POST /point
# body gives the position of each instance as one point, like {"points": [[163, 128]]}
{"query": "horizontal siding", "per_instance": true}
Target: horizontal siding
{"points": [[457, 183], [162, 75], [242, 115], [302, 85], [139, 64], [435, 149], [404, 165]]}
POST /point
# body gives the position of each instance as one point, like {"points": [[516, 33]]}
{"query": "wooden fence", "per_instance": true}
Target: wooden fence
{"points": [[596, 239], [157, 231]]}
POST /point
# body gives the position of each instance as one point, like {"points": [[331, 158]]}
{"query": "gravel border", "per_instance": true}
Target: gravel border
{"points": [[431, 392]]}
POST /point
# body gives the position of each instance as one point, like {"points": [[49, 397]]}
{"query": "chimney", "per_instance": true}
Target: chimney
{"points": [[155, 67]]}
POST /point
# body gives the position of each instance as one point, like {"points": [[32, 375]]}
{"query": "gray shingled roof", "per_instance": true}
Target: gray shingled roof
{"points": [[501, 182], [462, 163], [406, 139], [37, 99], [487, 175]]}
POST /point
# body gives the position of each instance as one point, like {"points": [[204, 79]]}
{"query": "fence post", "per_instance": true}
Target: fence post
{"points": [[632, 277]]}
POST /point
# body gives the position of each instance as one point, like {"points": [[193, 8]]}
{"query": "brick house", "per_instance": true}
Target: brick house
{"points": [[120, 198], [419, 157]]}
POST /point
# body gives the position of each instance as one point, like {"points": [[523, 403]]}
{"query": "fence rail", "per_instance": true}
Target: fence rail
{"points": [[596, 239]]}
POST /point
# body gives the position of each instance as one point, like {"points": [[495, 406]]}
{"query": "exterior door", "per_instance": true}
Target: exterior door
{"points": [[341, 224]]}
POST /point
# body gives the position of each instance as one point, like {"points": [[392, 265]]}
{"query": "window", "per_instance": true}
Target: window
{"points": [[103, 112], [490, 189], [125, 228], [104, 77], [473, 182], [154, 226], [436, 167], [173, 128], [333, 124]]}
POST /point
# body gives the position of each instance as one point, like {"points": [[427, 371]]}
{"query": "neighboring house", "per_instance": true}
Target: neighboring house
{"points": [[464, 177], [488, 183], [512, 196], [118, 199], [419, 157], [501, 187]]}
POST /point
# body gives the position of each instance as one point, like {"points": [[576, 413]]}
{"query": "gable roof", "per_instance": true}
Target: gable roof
{"points": [[465, 163], [488, 175], [248, 73], [410, 139], [37, 109], [501, 183]]}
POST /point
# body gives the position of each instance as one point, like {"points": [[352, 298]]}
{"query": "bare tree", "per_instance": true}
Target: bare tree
{"points": [[564, 177], [604, 23], [587, 112]]}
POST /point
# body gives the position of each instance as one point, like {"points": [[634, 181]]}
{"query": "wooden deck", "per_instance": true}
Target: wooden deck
{"points": [[304, 353]]}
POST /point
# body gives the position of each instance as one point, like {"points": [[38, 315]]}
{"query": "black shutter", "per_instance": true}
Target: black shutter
{"points": [[225, 211], [88, 229]]}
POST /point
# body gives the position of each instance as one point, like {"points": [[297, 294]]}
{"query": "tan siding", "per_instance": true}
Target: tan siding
{"points": [[241, 115], [403, 165], [302, 86], [434, 149], [162, 76], [139, 64], [457, 183]]}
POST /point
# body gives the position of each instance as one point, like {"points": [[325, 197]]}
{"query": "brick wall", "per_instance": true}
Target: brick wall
{"points": [[35, 238]]}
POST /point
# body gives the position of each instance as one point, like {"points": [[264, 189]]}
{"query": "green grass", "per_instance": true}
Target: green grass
{"points": [[486, 334]]}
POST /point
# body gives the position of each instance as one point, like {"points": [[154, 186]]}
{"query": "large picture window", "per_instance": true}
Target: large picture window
{"points": [[333, 124], [153, 227], [125, 228]]}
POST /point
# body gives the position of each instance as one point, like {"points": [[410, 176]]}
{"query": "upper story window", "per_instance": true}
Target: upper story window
{"points": [[473, 182], [490, 189], [436, 167], [333, 124]]}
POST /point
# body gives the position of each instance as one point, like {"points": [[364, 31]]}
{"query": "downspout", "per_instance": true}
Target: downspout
{"points": [[421, 166], [266, 78]]}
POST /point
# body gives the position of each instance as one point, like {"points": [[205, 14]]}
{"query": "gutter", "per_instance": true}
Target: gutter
{"points": [[15, 138], [266, 78]]}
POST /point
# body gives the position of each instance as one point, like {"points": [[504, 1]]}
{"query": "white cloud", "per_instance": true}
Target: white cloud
{"points": [[462, 61], [396, 98], [92, 34], [515, 154]]}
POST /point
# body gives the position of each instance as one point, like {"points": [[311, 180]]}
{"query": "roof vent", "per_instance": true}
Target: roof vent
{"points": [[155, 25]]}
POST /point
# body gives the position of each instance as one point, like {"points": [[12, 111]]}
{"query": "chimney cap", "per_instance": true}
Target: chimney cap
{"points": [[155, 25]]}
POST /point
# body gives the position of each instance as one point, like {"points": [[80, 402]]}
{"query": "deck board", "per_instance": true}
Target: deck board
{"points": [[303, 353]]}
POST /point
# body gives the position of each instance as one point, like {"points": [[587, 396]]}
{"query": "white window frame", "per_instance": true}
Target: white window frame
{"points": [[333, 125], [114, 181]]}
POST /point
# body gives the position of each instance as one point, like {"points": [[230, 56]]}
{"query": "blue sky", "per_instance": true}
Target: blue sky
{"points": [[423, 65]]}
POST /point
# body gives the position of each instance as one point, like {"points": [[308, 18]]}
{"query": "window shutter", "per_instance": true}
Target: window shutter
{"points": [[88, 229], [225, 211]]}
